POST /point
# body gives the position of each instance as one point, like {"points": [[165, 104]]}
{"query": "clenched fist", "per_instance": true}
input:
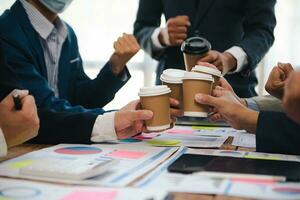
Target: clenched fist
{"points": [[277, 79], [125, 48], [175, 32]]}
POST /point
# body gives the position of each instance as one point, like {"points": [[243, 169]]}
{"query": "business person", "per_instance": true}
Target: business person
{"points": [[44, 53], [66, 127], [275, 131], [241, 32], [17, 126]]}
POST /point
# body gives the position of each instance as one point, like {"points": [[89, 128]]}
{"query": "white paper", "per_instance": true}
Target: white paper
{"points": [[18, 189], [192, 140], [245, 140], [134, 161]]}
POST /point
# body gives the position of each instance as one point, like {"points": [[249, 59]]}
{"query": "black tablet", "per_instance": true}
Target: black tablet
{"points": [[190, 163]]}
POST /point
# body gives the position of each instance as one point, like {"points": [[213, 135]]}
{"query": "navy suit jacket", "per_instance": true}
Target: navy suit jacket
{"points": [[276, 133], [24, 53], [248, 24], [55, 127]]}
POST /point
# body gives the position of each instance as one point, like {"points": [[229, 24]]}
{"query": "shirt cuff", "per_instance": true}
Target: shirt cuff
{"points": [[240, 56], [252, 104], [3, 145], [154, 37], [104, 128]]}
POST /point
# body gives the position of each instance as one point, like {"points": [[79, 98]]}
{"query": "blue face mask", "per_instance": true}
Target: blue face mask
{"points": [[56, 6]]}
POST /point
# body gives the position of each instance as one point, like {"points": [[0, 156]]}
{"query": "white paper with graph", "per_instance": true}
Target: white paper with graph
{"points": [[134, 161]]}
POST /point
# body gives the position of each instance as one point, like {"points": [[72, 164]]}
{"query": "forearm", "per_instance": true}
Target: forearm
{"points": [[100, 91]]}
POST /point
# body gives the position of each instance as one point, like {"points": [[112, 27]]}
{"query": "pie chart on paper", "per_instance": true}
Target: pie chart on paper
{"points": [[78, 150]]}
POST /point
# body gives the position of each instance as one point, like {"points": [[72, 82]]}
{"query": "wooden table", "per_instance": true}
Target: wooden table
{"points": [[26, 148]]}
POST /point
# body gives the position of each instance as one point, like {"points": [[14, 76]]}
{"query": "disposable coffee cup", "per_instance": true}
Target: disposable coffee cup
{"points": [[193, 49], [217, 74], [194, 83], [173, 79], [157, 100]]}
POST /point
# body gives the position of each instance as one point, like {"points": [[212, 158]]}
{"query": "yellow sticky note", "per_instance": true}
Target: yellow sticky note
{"points": [[21, 164], [157, 142], [260, 157], [209, 128], [5, 198]]}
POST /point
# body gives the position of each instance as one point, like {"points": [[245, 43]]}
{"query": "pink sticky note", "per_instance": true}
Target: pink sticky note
{"points": [[127, 154], [146, 136], [180, 131], [91, 195]]}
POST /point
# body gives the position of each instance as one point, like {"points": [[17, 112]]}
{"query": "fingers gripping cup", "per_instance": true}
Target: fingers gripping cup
{"points": [[157, 100], [194, 83], [173, 79], [216, 74], [193, 49]]}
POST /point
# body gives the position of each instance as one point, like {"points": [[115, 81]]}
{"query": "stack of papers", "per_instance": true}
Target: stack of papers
{"points": [[17, 189], [134, 161]]}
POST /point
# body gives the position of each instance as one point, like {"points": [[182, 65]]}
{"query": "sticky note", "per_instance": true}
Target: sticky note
{"points": [[208, 128], [91, 195], [146, 136], [127, 154], [261, 157], [21, 164], [180, 131], [130, 140], [157, 142], [5, 198]]}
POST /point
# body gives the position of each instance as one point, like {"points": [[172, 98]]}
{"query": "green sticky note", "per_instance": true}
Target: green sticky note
{"points": [[157, 142], [21, 164], [261, 157], [209, 128]]}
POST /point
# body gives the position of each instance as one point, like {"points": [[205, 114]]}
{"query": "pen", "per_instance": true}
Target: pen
{"points": [[17, 101]]}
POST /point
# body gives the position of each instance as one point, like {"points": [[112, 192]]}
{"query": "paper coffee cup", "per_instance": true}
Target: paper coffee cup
{"points": [[193, 49], [173, 79], [217, 74], [157, 100], [194, 83]]}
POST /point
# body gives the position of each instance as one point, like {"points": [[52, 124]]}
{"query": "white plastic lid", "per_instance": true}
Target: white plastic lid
{"points": [[172, 76], [154, 91], [198, 76], [208, 70]]}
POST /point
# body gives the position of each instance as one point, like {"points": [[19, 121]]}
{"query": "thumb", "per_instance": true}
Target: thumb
{"points": [[140, 115], [208, 100]]}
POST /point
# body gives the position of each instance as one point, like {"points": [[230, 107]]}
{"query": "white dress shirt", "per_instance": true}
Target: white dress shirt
{"points": [[237, 52], [52, 38], [3, 145]]}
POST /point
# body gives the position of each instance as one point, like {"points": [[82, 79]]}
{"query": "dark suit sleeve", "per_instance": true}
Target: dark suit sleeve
{"points": [[276, 133], [35, 82], [147, 20], [57, 127], [258, 26], [99, 91]]}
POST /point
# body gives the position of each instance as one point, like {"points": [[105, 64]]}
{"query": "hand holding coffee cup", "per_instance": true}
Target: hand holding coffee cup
{"points": [[175, 32], [193, 49], [194, 83], [129, 121], [125, 48], [225, 62], [157, 100]]}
